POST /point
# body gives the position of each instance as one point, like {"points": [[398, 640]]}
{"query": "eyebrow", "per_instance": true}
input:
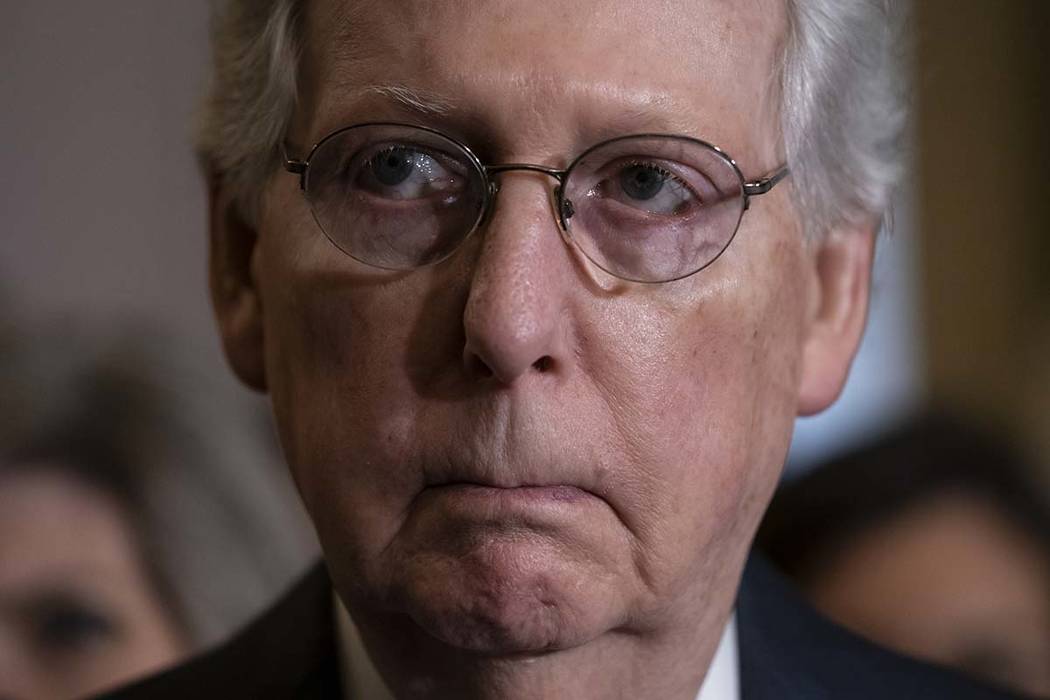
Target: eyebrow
{"points": [[424, 102], [401, 103], [414, 104], [427, 103], [642, 118]]}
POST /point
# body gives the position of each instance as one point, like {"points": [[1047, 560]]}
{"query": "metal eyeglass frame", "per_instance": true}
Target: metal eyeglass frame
{"points": [[565, 209]]}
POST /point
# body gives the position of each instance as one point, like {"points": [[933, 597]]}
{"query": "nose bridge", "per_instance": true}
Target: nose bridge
{"points": [[555, 173], [495, 185], [513, 318]]}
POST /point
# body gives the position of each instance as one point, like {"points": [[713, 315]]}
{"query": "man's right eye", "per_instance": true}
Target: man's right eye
{"points": [[404, 173], [393, 166]]}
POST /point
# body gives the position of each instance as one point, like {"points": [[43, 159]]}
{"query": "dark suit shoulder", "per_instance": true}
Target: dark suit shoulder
{"points": [[788, 650], [289, 652]]}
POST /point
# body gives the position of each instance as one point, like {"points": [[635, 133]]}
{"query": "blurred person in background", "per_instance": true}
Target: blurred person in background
{"points": [[933, 541], [141, 517]]}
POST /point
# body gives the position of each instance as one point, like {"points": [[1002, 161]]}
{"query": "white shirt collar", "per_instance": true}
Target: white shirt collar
{"points": [[723, 677], [362, 681]]}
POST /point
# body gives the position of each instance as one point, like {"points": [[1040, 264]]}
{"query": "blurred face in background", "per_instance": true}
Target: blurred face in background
{"points": [[952, 580], [512, 450], [78, 612]]}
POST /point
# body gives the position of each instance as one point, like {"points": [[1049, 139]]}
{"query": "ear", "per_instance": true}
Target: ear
{"points": [[838, 313], [234, 296]]}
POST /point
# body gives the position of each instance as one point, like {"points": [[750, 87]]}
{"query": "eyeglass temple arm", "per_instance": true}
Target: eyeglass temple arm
{"points": [[763, 185], [294, 166]]}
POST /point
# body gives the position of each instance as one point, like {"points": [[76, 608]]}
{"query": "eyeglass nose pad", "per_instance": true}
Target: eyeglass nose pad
{"points": [[562, 212], [486, 214], [566, 209]]}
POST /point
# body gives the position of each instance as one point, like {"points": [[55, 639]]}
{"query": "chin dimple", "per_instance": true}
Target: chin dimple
{"points": [[507, 626]]}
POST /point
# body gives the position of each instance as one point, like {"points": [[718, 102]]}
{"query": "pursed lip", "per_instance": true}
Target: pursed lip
{"points": [[566, 493], [520, 473], [535, 485]]}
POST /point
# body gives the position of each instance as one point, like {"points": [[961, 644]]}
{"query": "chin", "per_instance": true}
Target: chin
{"points": [[507, 598]]}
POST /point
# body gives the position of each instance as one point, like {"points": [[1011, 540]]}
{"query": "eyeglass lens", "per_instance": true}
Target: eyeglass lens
{"points": [[645, 208]]}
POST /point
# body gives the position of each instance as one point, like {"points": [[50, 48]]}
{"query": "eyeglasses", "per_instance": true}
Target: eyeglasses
{"points": [[645, 208]]}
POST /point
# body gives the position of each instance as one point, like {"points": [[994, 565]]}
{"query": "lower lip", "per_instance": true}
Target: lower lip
{"points": [[560, 493]]}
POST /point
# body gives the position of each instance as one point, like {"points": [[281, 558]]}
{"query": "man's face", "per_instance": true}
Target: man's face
{"points": [[512, 448]]}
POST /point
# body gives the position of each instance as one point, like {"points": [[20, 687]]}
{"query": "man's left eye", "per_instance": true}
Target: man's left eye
{"points": [[649, 188]]}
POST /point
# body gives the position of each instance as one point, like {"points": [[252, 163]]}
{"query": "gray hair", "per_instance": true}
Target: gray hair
{"points": [[841, 82]]}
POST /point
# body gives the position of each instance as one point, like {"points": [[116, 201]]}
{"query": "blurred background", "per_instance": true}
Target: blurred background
{"points": [[104, 232]]}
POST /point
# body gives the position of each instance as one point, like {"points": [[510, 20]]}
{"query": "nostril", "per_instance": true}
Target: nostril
{"points": [[544, 364], [478, 367]]}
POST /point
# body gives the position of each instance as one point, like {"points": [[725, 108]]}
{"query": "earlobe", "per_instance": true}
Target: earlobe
{"points": [[842, 280], [235, 298]]}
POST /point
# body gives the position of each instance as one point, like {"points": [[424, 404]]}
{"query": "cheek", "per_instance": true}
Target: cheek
{"points": [[335, 358], [704, 388], [747, 371]]}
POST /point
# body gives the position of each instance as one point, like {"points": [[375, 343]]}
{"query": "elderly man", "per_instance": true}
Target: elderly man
{"points": [[536, 312]]}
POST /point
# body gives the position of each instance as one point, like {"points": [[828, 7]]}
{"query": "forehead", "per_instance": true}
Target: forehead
{"points": [[702, 67], [40, 512]]}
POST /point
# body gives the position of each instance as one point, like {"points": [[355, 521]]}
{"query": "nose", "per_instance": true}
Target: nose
{"points": [[515, 318]]}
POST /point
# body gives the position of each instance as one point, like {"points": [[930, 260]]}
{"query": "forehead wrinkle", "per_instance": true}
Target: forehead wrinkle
{"points": [[584, 112], [341, 28], [598, 107], [527, 104]]}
